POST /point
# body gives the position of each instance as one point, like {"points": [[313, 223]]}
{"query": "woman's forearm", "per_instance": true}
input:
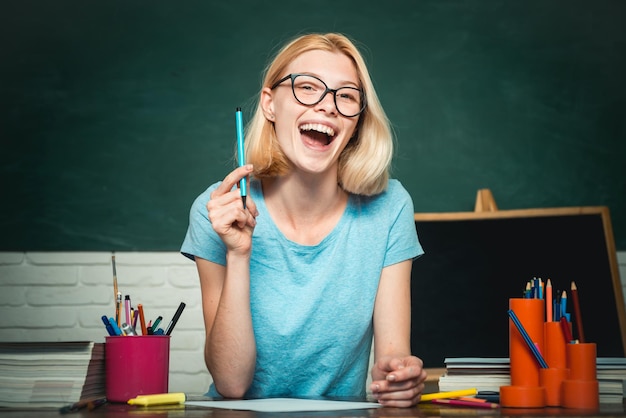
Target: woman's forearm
{"points": [[230, 349]]}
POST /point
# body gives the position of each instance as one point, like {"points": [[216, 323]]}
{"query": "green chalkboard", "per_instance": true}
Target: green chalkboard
{"points": [[115, 115]]}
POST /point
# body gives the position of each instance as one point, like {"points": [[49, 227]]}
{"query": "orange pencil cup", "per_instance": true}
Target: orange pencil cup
{"points": [[554, 349], [581, 390], [555, 355], [525, 390], [551, 380]]}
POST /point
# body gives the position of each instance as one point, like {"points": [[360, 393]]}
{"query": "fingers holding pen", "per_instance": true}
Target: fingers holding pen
{"points": [[247, 201], [232, 222], [232, 179], [226, 210]]}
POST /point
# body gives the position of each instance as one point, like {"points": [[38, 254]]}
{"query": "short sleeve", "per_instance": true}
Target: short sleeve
{"points": [[403, 243], [201, 240]]}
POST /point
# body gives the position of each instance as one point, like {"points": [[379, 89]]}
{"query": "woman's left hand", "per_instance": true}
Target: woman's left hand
{"points": [[398, 381]]}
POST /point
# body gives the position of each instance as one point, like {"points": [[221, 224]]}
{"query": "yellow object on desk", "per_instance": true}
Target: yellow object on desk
{"points": [[158, 399], [451, 394]]}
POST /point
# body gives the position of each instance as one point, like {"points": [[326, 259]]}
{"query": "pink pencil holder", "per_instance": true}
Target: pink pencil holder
{"points": [[136, 365]]}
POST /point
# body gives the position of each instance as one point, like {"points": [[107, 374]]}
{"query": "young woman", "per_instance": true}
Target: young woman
{"points": [[296, 283]]}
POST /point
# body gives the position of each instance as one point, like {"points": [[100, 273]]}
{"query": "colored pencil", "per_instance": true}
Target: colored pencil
{"points": [[567, 333], [461, 402], [115, 290], [577, 315], [114, 277], [471, 399], [549, 301], [564, 305], [142, 320]]}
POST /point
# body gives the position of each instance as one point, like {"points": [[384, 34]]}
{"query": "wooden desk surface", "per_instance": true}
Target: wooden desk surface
{"points": [[425, 410]]}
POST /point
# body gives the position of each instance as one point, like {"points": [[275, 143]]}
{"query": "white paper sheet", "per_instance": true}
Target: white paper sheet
{"points": [[284, 405]]}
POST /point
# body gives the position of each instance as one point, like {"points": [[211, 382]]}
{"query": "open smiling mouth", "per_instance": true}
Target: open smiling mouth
{"points": [[317, 133]]}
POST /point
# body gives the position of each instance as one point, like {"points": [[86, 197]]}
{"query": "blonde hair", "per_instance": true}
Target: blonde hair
{"points": [[364, 163]]}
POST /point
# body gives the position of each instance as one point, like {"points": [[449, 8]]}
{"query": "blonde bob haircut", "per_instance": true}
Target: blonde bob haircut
{"points": [[364, 163]]}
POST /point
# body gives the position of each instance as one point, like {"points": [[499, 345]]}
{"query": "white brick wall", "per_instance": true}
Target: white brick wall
{"points": [[61, 297]]}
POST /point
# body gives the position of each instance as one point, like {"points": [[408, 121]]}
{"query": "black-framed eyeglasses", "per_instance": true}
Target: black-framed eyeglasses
{"points": [[310, 90]]}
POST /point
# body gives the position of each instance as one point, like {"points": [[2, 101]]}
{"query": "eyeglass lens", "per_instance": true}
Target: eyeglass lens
{"points": [[311, 90]]}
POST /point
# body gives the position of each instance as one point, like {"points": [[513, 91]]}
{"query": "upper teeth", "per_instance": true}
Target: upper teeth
{"points": [[319, 128]]}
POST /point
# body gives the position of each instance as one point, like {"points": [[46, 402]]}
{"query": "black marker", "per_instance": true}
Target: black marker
{"points": [[172, 324]]}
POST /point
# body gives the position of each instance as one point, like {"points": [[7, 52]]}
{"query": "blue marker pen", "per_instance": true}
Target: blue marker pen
{"points": [[108, 326], [113, 324], [240, 154]]}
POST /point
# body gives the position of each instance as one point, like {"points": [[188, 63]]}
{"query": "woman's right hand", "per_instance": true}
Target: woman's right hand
{"points": [[230, 220]]}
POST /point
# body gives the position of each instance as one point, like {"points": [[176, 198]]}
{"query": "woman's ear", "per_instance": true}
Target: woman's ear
{"points": [[267, 104]]}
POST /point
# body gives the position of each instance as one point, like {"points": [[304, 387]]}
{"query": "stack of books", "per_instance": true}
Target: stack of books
{"points": [[611, 373], [489, 373], [486, 374], [50, 374]]}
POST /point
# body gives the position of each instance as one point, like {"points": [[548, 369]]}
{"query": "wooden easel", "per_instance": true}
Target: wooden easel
{"points": [[485, 201]]}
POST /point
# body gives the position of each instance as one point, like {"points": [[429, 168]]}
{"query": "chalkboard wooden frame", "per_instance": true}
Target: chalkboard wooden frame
{"points": [[452, 318]]}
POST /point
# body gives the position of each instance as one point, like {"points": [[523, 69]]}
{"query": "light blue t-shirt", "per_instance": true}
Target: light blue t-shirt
{"points": [[312, 306]]}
